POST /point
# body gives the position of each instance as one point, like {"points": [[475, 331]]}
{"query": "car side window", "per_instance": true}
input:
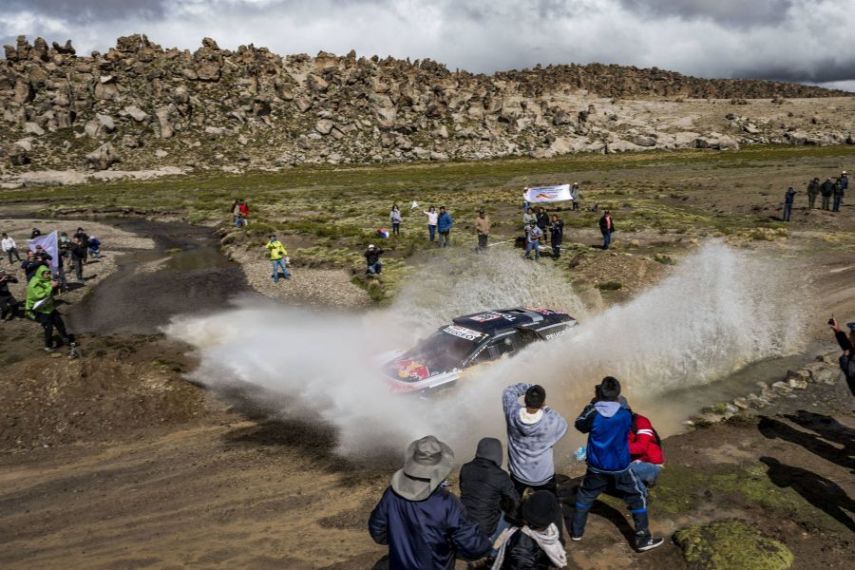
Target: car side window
{"points": [[527, 337], [505, 345]]}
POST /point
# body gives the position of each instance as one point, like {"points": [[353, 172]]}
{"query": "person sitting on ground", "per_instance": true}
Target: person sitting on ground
{"points": [[482, 229], [10, 248], [8, 303], [607, 423], [812, 193], [486, 489], [826, 189], [537, 544], [847, 345], [789, 200], [95, 247], [78, 255], [556, 235], [533, 430], [645, 450], [372, 260], [277, 254], [424, 525], [607, 227], [532, 241], [395, 219], [40, 307]]}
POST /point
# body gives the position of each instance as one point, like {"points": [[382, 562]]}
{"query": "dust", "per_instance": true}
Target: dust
{"points": [[720, 310]]}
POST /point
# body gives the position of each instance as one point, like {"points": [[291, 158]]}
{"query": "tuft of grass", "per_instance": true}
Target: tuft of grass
{"points": [[723, 545], [609, 286]]}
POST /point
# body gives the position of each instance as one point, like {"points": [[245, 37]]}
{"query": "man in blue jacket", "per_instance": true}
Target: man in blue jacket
{"points": [[608, 423], [443, 226], [423, 524]]}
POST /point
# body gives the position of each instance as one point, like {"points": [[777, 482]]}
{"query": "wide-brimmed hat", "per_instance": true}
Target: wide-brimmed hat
{"points": [[427, 463]]}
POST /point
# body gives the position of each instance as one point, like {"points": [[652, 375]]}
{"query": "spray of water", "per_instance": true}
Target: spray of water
{"points": [[720, 310]]}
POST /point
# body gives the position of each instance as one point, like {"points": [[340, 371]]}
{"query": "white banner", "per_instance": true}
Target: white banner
{"points": [[542, 194], [50, 244]]}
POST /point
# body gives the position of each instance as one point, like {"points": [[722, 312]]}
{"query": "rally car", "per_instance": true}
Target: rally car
{"points": [[439, 361]]}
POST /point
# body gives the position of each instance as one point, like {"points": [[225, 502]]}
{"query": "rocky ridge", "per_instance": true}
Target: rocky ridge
{"points": [[140, 106]]}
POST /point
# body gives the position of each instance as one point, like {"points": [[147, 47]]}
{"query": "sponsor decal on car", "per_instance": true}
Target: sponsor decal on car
{"points": [[412, 370], [540, 310], [462, 332], [485, 317]]}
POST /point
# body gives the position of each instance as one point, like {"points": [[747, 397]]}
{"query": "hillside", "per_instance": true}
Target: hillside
{"points": [[140, 106]]}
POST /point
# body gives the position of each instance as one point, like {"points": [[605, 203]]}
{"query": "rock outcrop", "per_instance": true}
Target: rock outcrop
{"points": [[147, 107]]}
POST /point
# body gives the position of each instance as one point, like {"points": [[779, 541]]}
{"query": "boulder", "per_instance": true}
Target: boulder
{"points": [[135, 113], [324, 126], [24, 92], [31, 128], [102, 158], [106, 88], [105, 123], [163, 120]]}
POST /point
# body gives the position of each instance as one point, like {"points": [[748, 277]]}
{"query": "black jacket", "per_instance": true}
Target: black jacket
{"points": [[543, 221], [372, 256], [604, 225], [483, 487], [556, 231], [78, 251], [827, 188], [5, 294], [523, 553]]}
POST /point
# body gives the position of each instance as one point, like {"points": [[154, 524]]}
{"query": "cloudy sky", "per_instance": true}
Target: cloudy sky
{"points": [[794, 40]]}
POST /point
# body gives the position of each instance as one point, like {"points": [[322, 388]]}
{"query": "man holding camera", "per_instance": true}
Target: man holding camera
{"points": [[608, 422], [847, 359]]}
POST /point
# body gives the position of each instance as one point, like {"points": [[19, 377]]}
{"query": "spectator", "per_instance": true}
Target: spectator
{"points": [[608, 424], [826, 189], [577, 195], [236, 213], [607, 227], [35, 233], [372, 260], [839, 190], [789, 199], [64, 245], [528, 217], [422, 523], [533, 430], [30, 264], [395, 219], [84, 241], [95, 247], [243, 208], [645, 450], [847, 359], [443, 225], [278, 255], [432, 220], [482, 228], [486, 490], [10, 248], [537, 544], [556, 235], [542, 220], [40, 306], [812, 191], [8, 304], [78, 254], [532, 241]]}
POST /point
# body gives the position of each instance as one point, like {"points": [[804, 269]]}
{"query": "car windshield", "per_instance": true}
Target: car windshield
{"points": [[440, 352]]}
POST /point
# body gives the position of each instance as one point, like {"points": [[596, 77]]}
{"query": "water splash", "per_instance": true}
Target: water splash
{"points": [[718, 311]]}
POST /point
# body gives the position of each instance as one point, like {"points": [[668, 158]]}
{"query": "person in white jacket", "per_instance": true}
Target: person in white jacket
{"points": [[10, 248], [432, 217]]}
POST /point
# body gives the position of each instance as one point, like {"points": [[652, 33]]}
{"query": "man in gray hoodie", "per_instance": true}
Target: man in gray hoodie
{"points": [[533, 430]]}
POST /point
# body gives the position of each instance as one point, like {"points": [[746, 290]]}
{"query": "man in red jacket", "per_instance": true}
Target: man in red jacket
{"points": [[646, 450]]}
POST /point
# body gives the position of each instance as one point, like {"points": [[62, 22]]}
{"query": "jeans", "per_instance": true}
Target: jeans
{"points": [[607, 239], [788, 211], [48, 322], [624, 482], [444, 240], [95, 251], [838, 201], [396, 228], [277, 265], [500, 527], [375, 268], [646, 472], [11, 252], [238, 221], [482, 241], [532, 246], [431, 232]]}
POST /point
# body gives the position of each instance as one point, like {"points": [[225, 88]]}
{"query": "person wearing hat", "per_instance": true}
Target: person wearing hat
{"points": [[532, 240], [423, 524], [482, 228], [486, 490], [839, 190], [372, 260], [847, 345], [536, 545], [789, 200], [608, 423], [277, 253]]}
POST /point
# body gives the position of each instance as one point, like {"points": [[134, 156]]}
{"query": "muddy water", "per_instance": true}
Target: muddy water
{"points": [[185, 273]]}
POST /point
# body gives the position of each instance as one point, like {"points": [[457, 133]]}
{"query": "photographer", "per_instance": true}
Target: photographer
{"points": [[847, 359], [8, 304]]}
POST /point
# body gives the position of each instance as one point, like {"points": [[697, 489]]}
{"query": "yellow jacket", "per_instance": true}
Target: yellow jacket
{"points": [[276, 249]]}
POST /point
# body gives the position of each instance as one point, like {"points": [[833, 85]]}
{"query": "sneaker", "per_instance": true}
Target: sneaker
{"points": [[646, 542], [48, 349], [576, 538]]}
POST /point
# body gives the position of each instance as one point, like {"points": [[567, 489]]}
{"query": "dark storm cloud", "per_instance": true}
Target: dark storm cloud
{"points": [[797, 40]]}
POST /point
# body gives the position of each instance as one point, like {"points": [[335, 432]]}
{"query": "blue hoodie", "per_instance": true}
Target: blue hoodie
{"points": [[607, 425], [444, 222], [530, 438]]}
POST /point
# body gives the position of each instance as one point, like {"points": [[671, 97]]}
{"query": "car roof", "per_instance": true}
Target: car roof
{"points": [[491, 322]]}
